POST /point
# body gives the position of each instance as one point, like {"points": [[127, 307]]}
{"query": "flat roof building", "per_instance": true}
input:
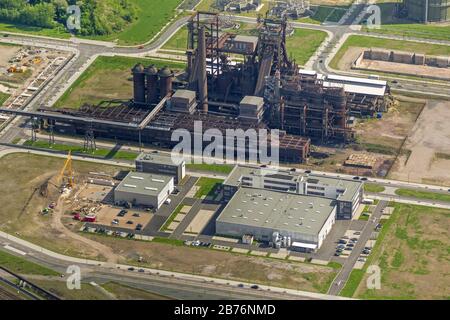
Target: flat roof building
{"points": [[161, 163], [144, 189], [347, 192], [264, 213]]}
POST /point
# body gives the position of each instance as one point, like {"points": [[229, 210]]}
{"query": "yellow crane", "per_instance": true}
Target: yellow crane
{"points": [[67, 171]]}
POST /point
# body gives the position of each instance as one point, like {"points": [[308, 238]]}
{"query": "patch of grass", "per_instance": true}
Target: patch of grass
{"points": [[207, 186], [173, 242], [107, 78], [219, 168], [372, 187], [172, 217], [3, 98], [304, 43], [334, 265], [371, 42], [22, 266], [79, 150], [380, 148], [352, 283], [422, 194], [178, 41], [411, 250], [58, 32]]}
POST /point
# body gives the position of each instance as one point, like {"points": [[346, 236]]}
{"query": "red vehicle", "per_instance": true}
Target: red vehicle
{"points": [[90, 218], [77, 216]]}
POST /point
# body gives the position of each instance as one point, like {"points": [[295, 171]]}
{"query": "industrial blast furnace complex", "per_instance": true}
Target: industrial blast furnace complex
{"points": [[231, 82]]}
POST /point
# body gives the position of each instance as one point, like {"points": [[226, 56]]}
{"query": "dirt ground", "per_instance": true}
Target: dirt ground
{"points": [[405, 69], [430, 135], [20, 213], [6, 53]]}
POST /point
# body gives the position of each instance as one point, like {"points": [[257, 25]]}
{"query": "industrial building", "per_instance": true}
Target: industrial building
{"points": [[230, 82], [281, 218], [426, 10], [144, 189], [347, 193], [161, 163]]}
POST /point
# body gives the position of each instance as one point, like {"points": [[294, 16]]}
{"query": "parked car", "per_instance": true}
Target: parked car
{"points": [[342, 241], [131, 269], [308, 171], [240, 285], [355, 178], [364, 179], [141, 270], [354, 239], [357, 233], [139, 227], [130, 222], [350, 245], [137, 215], [254, 287], [337, 254], [115, 221]]}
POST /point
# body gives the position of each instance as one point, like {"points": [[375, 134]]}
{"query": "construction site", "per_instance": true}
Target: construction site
{"points": [[230, 82]]}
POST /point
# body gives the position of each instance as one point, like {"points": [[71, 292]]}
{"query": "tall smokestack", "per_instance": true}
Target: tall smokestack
{"points": [[202, 77]]}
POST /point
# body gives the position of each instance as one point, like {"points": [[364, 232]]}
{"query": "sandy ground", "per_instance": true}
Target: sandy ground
{"points": [[406, 69], [6, 53], [431, 134]]}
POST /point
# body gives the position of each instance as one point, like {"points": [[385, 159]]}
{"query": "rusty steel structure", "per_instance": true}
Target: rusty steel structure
{"points": [[231, 82]]}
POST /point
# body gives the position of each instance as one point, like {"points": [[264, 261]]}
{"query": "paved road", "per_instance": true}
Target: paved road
{"points": [[342, 277], [118, 271]]}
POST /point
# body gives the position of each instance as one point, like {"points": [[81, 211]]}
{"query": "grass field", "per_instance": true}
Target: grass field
{"points": [[207, 185], [152, 17], [108, 78], [301, 46], [412, 252], [407, 28], [3, 98], [371, 42], [218, 168], [423, 194], [372, 187], [79, 150], [22, 266]]}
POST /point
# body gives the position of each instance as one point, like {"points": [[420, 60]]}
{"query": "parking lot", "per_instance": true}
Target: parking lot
{"points": [[129, 220]]}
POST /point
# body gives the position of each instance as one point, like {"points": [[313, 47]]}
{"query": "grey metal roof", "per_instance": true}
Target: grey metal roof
{"points": [[160, 158], [252, 100], [185, 94], [277, 210], [351, 186], [144, 183]]}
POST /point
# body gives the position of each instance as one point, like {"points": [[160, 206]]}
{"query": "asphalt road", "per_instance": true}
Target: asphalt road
{"points": [[342, 277]]}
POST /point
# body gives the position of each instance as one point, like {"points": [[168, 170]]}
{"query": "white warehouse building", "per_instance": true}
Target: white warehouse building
{"points": [[304, 220], [144, 189]]}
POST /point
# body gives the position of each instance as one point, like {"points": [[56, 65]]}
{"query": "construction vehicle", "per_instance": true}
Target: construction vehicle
{"points": [[67, 172]]}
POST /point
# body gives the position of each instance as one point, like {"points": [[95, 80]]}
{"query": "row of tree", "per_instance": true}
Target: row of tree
{"points": [[98, 17]]}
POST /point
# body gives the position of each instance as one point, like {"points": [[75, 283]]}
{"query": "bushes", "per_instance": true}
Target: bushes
{"points": [[97, 17]]}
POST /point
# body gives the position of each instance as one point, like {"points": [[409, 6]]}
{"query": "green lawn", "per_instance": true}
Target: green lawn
{"points": [[423, 194], [352, 283], [406, 28], [173, 242], [218, 168], [107, 78], [3, 97], [178, 41], [207, 185], [372, 187], [22, 266], [172, 217], [79, 150], [152, 17], [371, 42], [304, 43]]}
